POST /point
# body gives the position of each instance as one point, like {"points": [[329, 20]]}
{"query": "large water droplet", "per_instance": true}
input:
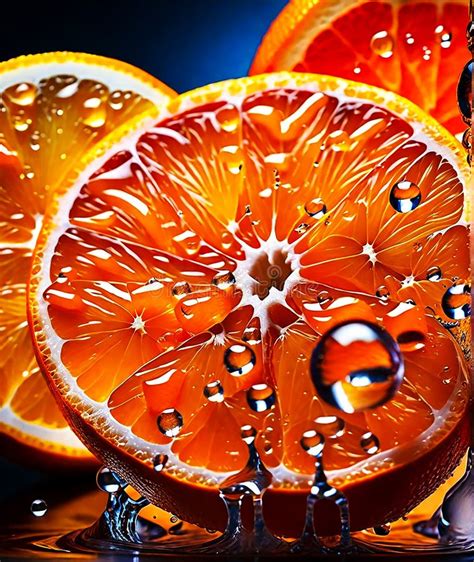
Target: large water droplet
{"points": [[224, 280], [382, 44], [109, 481], [239, 359], [434, 273], [405, 196], [369, 443], [312, 442], [356, 366], [330, 426], [456, 301], [170, 422], [260, 397], [38, 508], [159, 462], [214, 391], [315, 208]]}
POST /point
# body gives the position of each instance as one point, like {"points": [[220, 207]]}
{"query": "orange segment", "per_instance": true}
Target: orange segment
{"points": [[53, 109], [415, 48], [242, 293]]}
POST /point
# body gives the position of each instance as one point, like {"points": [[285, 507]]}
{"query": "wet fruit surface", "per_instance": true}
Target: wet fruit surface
{"points": [[203, 262]]}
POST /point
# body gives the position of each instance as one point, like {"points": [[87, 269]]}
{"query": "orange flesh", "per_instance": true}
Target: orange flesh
{"points": [[167, 213], [426, 40], [45, 130]]}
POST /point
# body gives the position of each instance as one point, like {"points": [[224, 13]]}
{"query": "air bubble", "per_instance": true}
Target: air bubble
{"points": [[260, 397], [405, 196], [356, 366], [170, 422]]}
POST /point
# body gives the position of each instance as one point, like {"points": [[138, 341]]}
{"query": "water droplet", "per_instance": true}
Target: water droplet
{"points": [[356, 366], [302, 228], [330, 426], [339, 141], [409, 39], [95, 113], [324, 299], [159, 462], [456, 301], [315, 208], [382, 530], [252, 335], [224, 280], [116, 100], [38, 508], [382, 44], [434, 273], [260, 397], [357, 70], [464, 91], [239, 359], [444, 37], [405, 196], [181, 289], [248, 434], [170, 422], [231, 157], [109, 481], [369, 443], [312, 442], [382, 293], [174, 519], [21, 123], [214, 391]]}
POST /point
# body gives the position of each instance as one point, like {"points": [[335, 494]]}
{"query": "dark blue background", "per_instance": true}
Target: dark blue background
{"points": [[185, 43]]}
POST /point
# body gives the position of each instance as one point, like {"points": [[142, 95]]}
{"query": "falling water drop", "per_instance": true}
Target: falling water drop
{"points": [[214, 391], [434, 273], [38, 508], [370, 443], [260, 397], [315, 208], [456, 301], [356, 366], [239, 359], [382, 44], [109, 481], [405, 196], [170, 422]]}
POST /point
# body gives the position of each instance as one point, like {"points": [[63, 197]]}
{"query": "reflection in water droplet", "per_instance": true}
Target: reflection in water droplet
{"points": [[38, 508], [434, 273], [170, 422], [260, 397], [315, 208], [456, 301], [109, 481], [159, 462], [214, 391], [239, 359], [382, 44], [405, 196], [356, 366], [312, 442], [181, 289], [383, 293], [224, 280], [369, 443], [330, 426]]}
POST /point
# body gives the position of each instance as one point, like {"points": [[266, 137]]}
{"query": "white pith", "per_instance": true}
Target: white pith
{"points": [[27, 70], [146, 451]]}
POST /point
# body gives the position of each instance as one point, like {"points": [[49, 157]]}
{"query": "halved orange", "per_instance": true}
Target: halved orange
{"points": [[416, 48], [184, 277], [53, 108]]}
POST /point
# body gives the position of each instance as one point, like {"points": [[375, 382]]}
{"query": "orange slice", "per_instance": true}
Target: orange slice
{"points": [[413, 47], [184, 278], [53, 109]]}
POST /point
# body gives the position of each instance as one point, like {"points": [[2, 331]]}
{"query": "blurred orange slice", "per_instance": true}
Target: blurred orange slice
{"points": [[416, 48], [53, 109], [185, 275]]}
